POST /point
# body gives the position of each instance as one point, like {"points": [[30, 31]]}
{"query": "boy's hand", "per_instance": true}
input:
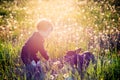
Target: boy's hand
{"points": [[33, 63]]}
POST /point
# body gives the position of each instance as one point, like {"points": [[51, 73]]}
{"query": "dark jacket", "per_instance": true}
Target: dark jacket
{"points": [[31, 47]]}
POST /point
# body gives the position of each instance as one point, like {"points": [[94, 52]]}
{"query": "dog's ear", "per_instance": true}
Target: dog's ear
{"points": [[78, 50]]}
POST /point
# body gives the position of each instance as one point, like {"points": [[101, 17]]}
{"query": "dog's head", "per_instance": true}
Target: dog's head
{"points": [[70, 56], [71, 53]]}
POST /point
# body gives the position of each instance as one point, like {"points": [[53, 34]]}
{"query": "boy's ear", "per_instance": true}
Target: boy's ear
{"points": [[78, 50]]}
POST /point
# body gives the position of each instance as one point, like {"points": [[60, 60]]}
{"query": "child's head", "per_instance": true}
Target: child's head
{"points": [[44, 26]]}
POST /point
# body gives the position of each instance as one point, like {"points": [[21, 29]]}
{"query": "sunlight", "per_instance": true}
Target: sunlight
{"points": [[61, 13]]}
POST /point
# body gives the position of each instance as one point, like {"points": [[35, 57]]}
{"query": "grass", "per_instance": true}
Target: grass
{"points": [[12, 68]]}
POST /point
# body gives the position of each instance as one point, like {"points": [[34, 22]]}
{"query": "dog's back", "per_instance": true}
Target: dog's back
{"points": [[81, 61]]}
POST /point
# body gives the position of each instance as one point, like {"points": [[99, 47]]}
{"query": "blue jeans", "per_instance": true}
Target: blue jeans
{"points": [[34, 72]]}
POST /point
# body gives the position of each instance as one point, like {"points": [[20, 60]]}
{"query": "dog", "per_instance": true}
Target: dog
{"points": [[80, 62]]}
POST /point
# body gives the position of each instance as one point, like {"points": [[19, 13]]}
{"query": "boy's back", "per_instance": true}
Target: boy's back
{"points": [[31, 47]]}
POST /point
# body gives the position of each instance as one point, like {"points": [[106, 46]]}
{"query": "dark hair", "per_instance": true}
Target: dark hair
{"points": [[44, 25]]}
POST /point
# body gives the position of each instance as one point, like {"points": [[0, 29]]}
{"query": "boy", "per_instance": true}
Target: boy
{"points": [[32, 46]]}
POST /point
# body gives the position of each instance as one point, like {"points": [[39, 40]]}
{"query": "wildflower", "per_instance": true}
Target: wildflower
{"points": [[106, 50], [21, 35], [57, 62], [109, 61], [51, 77], [66, 75]]}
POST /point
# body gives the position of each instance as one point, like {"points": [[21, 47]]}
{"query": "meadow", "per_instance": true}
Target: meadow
{"points": [[88, 24]]}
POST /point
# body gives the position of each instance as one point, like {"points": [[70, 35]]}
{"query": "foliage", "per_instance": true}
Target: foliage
{"points": [[76, 23]]}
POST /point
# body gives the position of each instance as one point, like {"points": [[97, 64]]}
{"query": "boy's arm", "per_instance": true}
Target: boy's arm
{"points": [[43, 52]]}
